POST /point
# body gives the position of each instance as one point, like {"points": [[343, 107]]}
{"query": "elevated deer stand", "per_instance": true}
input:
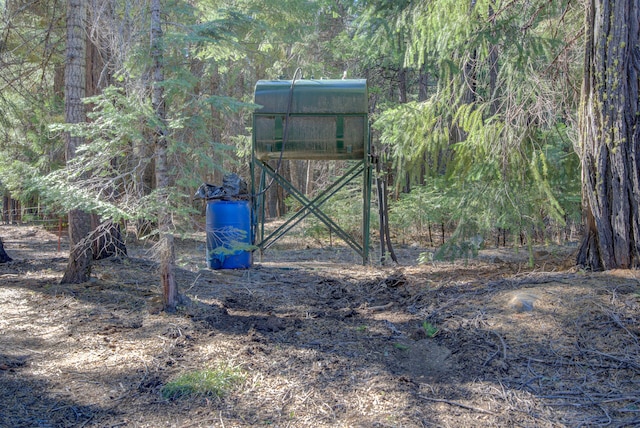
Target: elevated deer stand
{"points": [[311, 120]]}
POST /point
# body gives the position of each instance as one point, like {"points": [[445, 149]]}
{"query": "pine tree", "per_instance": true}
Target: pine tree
{"points": [[166, 244], [79, 268], [610, 136]]}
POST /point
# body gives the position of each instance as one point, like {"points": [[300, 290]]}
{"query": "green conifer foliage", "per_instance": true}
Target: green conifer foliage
{"points": [[499, 128]]}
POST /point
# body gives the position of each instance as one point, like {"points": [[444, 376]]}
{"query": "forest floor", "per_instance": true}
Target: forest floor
{"points": [[317, 340]]}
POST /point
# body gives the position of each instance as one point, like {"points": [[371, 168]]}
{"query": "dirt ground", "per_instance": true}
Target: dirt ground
{"points": [[321, 341]]}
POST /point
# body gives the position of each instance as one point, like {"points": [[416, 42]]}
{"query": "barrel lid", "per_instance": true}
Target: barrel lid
{"points": [[331, 96]]}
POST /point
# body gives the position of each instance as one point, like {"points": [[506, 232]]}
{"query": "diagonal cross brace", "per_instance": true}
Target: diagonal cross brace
{"points": [[320, 199], [313, 206]]}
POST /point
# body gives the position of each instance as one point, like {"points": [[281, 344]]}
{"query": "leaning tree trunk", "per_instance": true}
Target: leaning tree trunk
{"points": [[166, 246], [610, 136], [79, 268]]}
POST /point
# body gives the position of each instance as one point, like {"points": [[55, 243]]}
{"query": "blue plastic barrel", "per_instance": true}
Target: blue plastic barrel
{"points": [[228, 234]]}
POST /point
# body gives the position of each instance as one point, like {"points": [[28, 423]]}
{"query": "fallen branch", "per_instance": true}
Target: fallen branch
{"points": [[379, 308], [620, 360]]}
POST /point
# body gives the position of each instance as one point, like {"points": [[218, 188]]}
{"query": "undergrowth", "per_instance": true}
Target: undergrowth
{"points": [[215, 382]]}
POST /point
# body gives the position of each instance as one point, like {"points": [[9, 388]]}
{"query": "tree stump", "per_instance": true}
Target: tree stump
{"points": [[4, 257]]}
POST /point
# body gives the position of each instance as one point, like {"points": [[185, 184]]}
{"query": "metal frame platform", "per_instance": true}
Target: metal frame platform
{"points": [[261, 171]]}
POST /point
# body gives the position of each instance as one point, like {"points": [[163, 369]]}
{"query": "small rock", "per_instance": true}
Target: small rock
{"points": [[522, 302]]}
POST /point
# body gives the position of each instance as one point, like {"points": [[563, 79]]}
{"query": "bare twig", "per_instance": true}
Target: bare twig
{"points": [[380, 308], [614, 358], [504, 349], [195, 281], [455, 403], [616, 319]]}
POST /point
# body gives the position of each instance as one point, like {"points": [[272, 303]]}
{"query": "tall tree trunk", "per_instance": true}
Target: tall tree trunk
{"points": [[216, 126], [79, 268], [423, 94], [5, 207], [610, 136], [145, 180], [402, 98], [143, 157], [308, 187], [402, 85], [167, 252], [493, 64], [423, 84], [109, 242]]}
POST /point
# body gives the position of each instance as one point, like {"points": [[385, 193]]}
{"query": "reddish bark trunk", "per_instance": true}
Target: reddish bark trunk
{"points": [[610, 136]]}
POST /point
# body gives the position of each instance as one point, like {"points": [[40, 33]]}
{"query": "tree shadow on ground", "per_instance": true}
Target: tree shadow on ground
{"points": [[28, 402]]}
